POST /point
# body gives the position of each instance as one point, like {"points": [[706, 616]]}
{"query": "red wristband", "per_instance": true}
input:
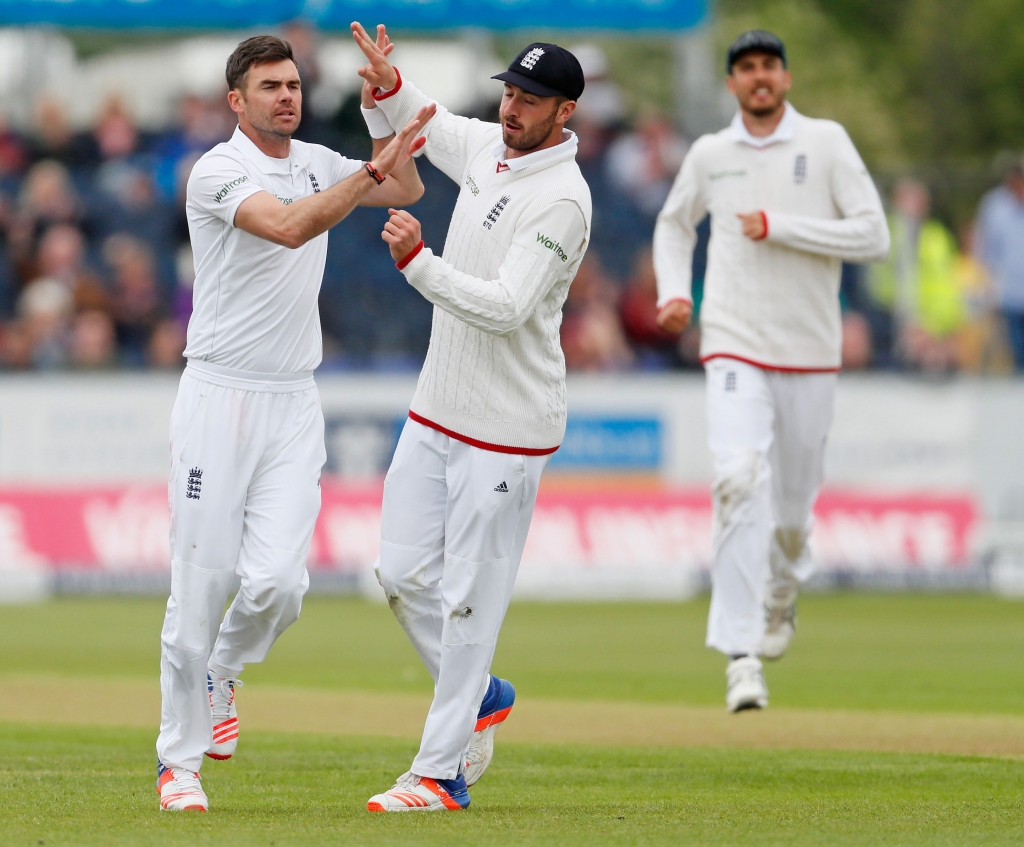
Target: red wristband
{"points": [[412, 254], [379, 95], [374, 173]]}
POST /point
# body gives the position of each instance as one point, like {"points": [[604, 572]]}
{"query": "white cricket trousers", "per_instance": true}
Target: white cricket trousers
{"points": [[453, 528], [767, 432], [244, 491]]}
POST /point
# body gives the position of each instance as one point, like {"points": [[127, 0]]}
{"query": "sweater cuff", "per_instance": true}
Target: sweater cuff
{"points": [[764, 220], [404, 262], [402, 104], [378, 94]]}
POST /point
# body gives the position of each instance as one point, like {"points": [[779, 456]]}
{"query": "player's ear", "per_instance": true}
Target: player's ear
{"points": [[565, 110], [236, 100]]}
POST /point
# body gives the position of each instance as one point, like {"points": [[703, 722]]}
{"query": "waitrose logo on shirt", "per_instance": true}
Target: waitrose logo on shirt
{"points": [[228, 187], [552, 245]]}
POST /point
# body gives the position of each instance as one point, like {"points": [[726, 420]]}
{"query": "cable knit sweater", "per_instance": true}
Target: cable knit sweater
{"points": [[773, 303], [494, 375]]}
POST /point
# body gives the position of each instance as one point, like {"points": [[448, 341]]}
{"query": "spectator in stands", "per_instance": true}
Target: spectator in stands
{"points": [[981, 344], [45, 308], [61, 256], [47, 199], [644, 163], [857, 347], [918, 284], [638, 310], [15, 346], [604, 105], [592, 337], [137, 307], [202, 123], [93, 343], [54, 139], [1001, 249], [166, 346]]}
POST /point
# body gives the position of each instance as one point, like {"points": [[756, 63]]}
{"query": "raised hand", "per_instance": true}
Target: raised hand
{"points": [[402, 233], [404, 144], [379, 71]]}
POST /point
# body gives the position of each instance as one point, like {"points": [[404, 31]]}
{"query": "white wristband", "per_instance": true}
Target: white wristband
{"points": [[376, 122]]}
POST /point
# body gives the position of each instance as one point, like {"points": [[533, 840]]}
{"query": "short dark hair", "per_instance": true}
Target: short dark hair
{"points": [[258, 50]]}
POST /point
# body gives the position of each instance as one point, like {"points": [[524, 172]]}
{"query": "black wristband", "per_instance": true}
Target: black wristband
{"points": [[374, 173]]}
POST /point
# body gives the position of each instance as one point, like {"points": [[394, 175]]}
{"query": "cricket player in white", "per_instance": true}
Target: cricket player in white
{"points": [[247, 431], [789, 199], [489, 408]]}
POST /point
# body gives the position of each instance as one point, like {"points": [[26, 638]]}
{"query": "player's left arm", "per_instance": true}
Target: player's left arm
{"points": [[547, 246], [860, 234]]}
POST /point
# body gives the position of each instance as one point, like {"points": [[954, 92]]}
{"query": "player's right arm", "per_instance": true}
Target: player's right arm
{"points": [[448, 136], [675, 236], [292, 225]]}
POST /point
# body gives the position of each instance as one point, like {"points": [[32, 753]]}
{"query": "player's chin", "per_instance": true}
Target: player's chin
{"points": [[286, 124]]}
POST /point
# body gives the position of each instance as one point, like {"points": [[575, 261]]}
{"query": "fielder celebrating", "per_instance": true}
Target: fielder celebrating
{"points": [[789, 199], [489, 408], [247, 433]]}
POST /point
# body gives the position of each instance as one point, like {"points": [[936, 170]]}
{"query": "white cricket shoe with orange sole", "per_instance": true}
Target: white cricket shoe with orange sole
{"points": [[225, 716], [180, 790], [422, 794]]}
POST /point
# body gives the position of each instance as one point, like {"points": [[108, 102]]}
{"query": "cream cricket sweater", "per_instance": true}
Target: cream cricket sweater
{"points": [[494, 375], [774, 302]]}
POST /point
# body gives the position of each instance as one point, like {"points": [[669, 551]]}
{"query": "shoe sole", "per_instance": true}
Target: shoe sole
{"points": [[220, 757], [377, 807], [750, 706]]}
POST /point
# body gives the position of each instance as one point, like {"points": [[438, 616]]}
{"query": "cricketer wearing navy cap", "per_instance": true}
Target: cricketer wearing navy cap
{"points": [[490, 405]]}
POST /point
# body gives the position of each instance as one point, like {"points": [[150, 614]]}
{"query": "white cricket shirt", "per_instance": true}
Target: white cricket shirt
{"points": [[254, 303], [773, 303]]}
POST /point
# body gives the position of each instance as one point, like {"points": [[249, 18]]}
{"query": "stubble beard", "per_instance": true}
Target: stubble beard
{"points": [[264, 124], [531, 139], [767, 111]]}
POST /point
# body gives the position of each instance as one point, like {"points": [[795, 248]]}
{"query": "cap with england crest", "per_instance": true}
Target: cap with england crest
{"points": [[546, 70]]}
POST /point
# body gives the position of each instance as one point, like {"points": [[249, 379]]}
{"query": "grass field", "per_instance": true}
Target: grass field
{"points": [[619, 734]]}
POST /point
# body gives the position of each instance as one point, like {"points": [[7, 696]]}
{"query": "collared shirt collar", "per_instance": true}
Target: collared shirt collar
{"points": [[298, 155], [547, 156], [783, 132]]}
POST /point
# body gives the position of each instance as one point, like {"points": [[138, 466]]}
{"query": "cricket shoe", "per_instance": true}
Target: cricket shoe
{"points": [[496, 705], [422, 794], [225, 715], [746, 688], [779, 629], [179, 790]]}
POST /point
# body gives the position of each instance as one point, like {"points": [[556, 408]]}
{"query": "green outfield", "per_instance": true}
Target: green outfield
{"points": [[894, 720]]}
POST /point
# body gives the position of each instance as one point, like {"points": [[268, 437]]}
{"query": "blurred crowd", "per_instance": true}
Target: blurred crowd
{"points": [[96, 270]]}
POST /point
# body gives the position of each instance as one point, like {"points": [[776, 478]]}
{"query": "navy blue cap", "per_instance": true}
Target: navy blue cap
{"points": [[755, 41], [546, 70]]}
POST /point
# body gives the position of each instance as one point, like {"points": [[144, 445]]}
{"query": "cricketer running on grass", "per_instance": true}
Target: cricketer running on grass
{"points": [[789, 199], [489, 408], [247, 433]]}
